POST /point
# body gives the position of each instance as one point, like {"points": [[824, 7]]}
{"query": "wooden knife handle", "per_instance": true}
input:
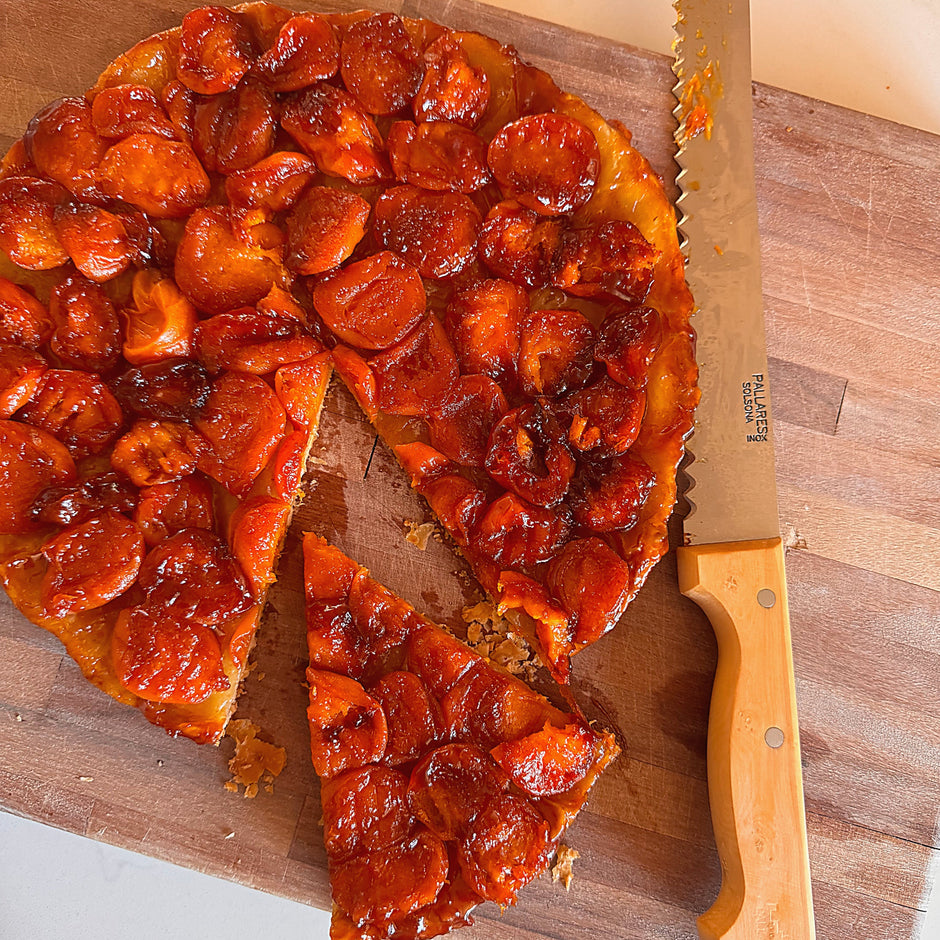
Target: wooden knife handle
{"points": [[755, 781]]}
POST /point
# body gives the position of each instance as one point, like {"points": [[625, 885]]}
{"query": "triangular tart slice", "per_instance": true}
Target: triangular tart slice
{"points": [[446, 782]]}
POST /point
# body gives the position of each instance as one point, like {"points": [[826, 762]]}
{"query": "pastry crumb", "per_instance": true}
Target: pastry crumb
{"points": [[793, 539], [17, 716], [254, 760], [229, 835], [86, 779], [418, 534], [562, 870], [494, 637]]}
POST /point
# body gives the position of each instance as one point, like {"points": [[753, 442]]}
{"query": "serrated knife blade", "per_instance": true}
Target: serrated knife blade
{"points": [[732, 563]]}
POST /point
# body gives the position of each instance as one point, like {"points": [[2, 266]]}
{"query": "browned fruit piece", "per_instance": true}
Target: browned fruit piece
{"points": [[528, 455], [372, 303], [27, 232], [243, 422], [379, 63], [20, 372], [87, 332], [548, 162], [30, 461], [95, 239], [556, 352], [436, 232], [165, 659], [460, 425], [323, 229], [484, 324], [216, 270], [23, 319], [329, 124], [305, 51], [162, 177], [451, 89], [234, 130], [75, 407], [609, 260], [520, 245], [516, 534], [157, 452], [130, 109], [416, 374], [64, 146], [215, 50], [90, 564], [438, 155], [166, 508]]}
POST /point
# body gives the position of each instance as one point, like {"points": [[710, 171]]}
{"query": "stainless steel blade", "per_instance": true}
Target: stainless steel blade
{"points": [[733, 492]]}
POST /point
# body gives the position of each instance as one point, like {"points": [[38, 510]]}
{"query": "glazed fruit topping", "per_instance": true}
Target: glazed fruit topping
{"points": [[460, 425], [331, 126], [610, 495], [243, 421], [323, 229], [379, 63], [247, 340], [24, 321], [372, 303], [157, 452], [436, 232], [516, 534], [414, 375], [611, 260], [172, 390], [165, 659], [27, 232], [451, 89], [365, 809], [20, 372], [215, 50], [413, 716], [592, 583], [528, 455], [86, 332], [90, 563], [627, 342], [31, 460], [77, 502], [305, 51], [605, 415], [347, 726], [484, 324], [548, 162], [556, 352], [438, 155], [167, 508], [520, 245], [193, 576], [75, 407]]}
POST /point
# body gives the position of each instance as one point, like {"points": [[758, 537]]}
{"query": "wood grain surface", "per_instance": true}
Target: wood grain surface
{"points": [[849, 221]]}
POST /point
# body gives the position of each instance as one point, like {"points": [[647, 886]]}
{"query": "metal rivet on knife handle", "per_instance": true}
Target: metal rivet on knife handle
{"points": [[766, 597], [774, 737]]}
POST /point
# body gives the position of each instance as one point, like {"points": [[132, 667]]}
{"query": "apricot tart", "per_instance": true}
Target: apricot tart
{"points": [[239, 204], [445, 781]]}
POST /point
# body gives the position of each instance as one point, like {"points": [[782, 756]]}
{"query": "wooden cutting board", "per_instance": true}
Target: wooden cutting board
{"points": [[849, 218]]}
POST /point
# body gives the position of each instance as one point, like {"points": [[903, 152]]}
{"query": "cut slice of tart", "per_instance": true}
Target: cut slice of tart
{"points": [[446, 782]]}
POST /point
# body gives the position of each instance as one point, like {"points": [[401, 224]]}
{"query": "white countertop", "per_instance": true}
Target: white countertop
{"points": [[855, 53]]}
